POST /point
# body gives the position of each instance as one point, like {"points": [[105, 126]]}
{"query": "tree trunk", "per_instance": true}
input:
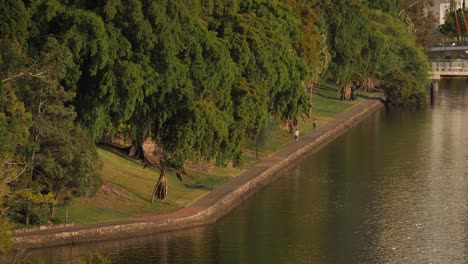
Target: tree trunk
{"points": [[54, 202], [66, 215], [26, 218], [310, 102], [256, 151], [346, 91], [136, 151], [160, 190], [35, 133], [154, 192], [35, 136]]}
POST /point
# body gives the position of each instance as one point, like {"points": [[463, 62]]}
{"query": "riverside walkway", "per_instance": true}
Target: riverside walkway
{"points": [[216, 203]]}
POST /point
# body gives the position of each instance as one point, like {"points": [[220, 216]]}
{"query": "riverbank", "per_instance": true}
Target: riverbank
{"points": [[213, 205], [127, 185]]}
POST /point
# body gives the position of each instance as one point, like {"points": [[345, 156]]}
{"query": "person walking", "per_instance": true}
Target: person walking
{"points": [[314, 123], [296, 135]]}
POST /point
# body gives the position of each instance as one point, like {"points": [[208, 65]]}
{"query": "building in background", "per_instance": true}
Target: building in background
{"points": [[442, 6]]}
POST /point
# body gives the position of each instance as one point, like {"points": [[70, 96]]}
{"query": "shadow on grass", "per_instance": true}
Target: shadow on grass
{"points": [[198, 186], [145, 198], [370, 97], [327, 97]]}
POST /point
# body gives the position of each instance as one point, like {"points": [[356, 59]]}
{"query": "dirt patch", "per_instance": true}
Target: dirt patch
{"points": [[113, 190], [250, 154], [199, 166], [108, 195]]}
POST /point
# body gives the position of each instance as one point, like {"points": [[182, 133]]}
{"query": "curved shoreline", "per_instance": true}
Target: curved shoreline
{"points": [[215, 204]]}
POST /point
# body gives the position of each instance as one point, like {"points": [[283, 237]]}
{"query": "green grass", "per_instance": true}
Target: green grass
{"points": [[326, 104], [127, 186], [127, 189], [82, 212]]}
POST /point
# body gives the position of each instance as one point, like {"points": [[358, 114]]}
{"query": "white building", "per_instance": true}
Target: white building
{"points": [[442, 6]]}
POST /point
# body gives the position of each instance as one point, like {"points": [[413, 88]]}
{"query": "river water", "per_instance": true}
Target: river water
{"points": [[394, 189]]}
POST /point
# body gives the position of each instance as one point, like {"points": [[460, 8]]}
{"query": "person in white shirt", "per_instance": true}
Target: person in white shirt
{"points": [[296, 135]]}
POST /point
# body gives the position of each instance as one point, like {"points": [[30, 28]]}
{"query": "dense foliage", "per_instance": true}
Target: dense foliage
{"points": [[369, 41], [455, 20], [200, 77]]}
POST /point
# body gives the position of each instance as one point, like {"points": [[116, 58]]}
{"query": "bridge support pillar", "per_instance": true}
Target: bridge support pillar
{"points": [[434, 90], [435, 85]]}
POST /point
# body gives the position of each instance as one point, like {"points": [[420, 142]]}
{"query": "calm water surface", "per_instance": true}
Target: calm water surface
{"points": [[392, 190]]}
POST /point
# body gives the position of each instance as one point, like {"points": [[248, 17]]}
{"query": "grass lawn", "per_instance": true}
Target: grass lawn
{"points": [[127, 189], [127, 186]]}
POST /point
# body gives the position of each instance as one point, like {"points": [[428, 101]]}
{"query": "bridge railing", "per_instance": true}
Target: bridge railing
{"points": [[449, 66], [451, 44]]}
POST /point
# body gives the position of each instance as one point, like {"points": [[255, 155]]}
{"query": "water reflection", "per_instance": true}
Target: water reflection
{"points": [[392, 190], [420, 214]]}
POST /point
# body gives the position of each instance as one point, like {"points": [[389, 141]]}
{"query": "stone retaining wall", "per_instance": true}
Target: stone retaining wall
{"points": [[40, 228]]}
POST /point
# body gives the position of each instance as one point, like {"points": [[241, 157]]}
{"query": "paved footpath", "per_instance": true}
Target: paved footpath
{"points": [[216, 203]]}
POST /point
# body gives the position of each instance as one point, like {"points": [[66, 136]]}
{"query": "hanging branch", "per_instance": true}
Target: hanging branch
{"points": [[36, 70], [404, 9], [40, 75], [7, 177]]}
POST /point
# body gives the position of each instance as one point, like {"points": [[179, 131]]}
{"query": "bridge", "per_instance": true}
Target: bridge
{"points": [[448, 68], [446, 49]]}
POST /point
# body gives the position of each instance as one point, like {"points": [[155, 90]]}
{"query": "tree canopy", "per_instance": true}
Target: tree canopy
{"points": [[201, 78], [455, 20]]}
